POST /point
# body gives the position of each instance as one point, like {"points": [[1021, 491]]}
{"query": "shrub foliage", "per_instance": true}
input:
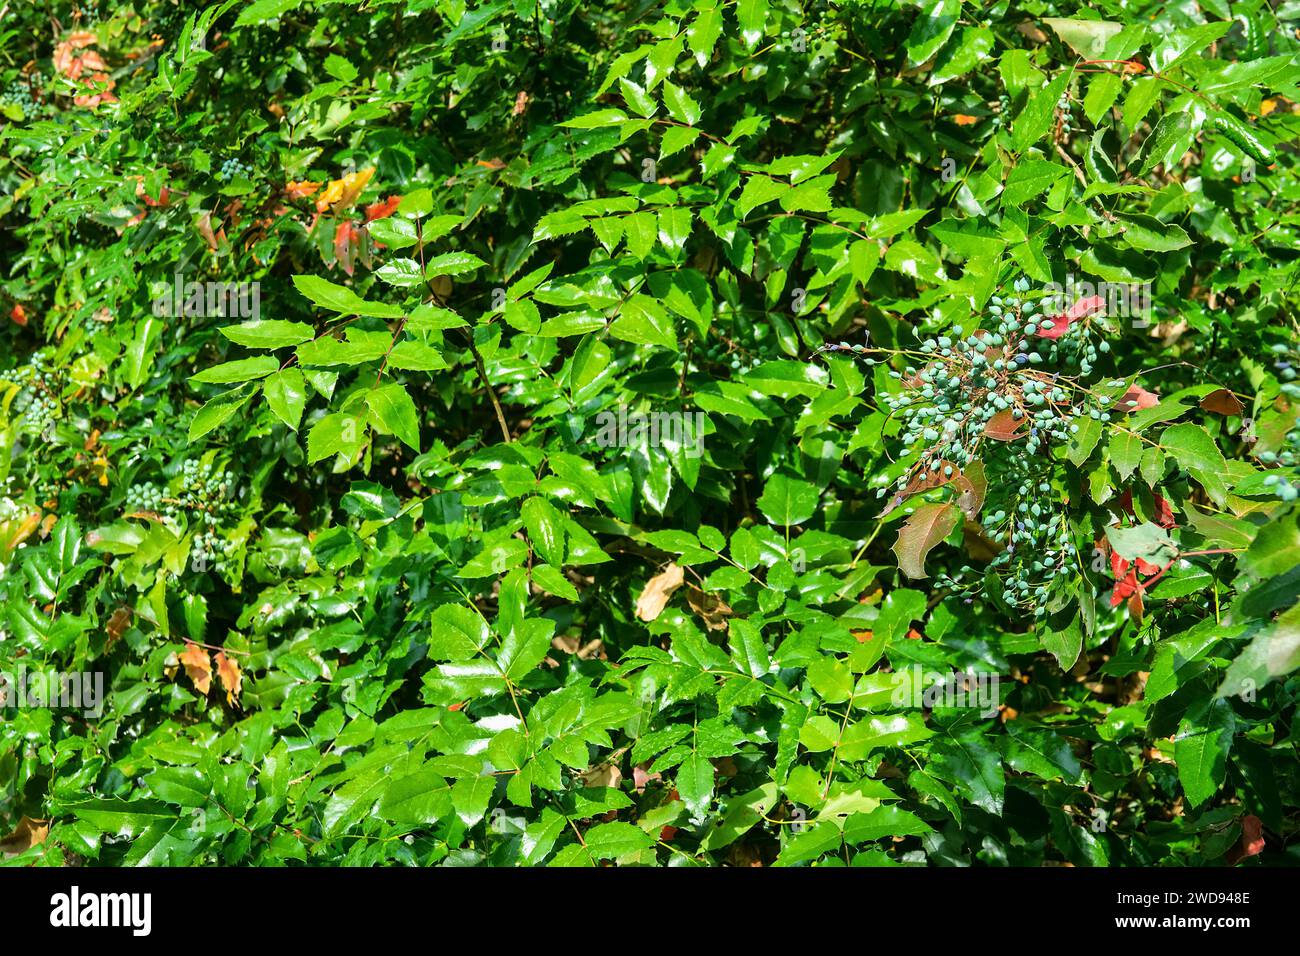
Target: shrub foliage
{"points": [[700, 433]]}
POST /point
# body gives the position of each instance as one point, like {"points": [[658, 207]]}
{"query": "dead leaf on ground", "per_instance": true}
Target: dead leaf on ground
{"points": [[657, 592]]}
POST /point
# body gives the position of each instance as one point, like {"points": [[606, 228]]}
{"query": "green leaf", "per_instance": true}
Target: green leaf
{"points": [[788, 501], [545, 529], [336, 434], [613, 841], [933, 25], [1152, 235], [1167, 143], [268, 334], [1192, 447], [243, 370], [973, 767], [1201, 748], [403, 273], [1146, 541], [680, 105], [394, 411], [338, 298], [695, 785], [286, 394], [452, 264], [758, 190], [743, 813], [751, 16], [1273, 652], [217, 412], [1036, 118]]}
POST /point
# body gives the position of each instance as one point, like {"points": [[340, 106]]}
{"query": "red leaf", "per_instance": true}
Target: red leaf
{"points": [[1252, 840], [345, 245], [382, 210], [1124, 588], [18, 314], [1004, 426], [1146, 567], [1139, 397], [1164, 513], [1061, 323], [1118, 566]]}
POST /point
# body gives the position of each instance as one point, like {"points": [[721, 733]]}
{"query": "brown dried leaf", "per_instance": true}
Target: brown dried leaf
{"points": [[117, 625], [198, 666], [231, 677], [1004, 426], [657, 592], [27, 834], [601, 775], [1223, 402], [710, 608]]}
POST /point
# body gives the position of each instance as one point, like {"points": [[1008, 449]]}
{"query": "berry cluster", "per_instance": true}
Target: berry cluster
{"points": [[1003, 116], [1066, 109], [146, 497], [1013, 371], [1283, 487], [202, 492], [37, 401], [1285, 365], [19, 94], [1001, 395], [727, 352], [233, 168]]}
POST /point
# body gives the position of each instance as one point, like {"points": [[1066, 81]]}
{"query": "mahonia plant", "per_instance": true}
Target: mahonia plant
{"points": [[729, 432]]}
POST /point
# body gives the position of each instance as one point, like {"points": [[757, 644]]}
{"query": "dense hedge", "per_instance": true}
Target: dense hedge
{"points": [[737, 433]]}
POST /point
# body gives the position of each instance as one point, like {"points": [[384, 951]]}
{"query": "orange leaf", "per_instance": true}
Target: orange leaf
{"points": [[1137, 398], [342, 193], [301, 190], [382, 210], [231, 679], [199, 666], [345, 245]]}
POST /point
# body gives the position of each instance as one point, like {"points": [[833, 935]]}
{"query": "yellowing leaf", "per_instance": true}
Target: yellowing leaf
{"points": [[342, 193]]}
